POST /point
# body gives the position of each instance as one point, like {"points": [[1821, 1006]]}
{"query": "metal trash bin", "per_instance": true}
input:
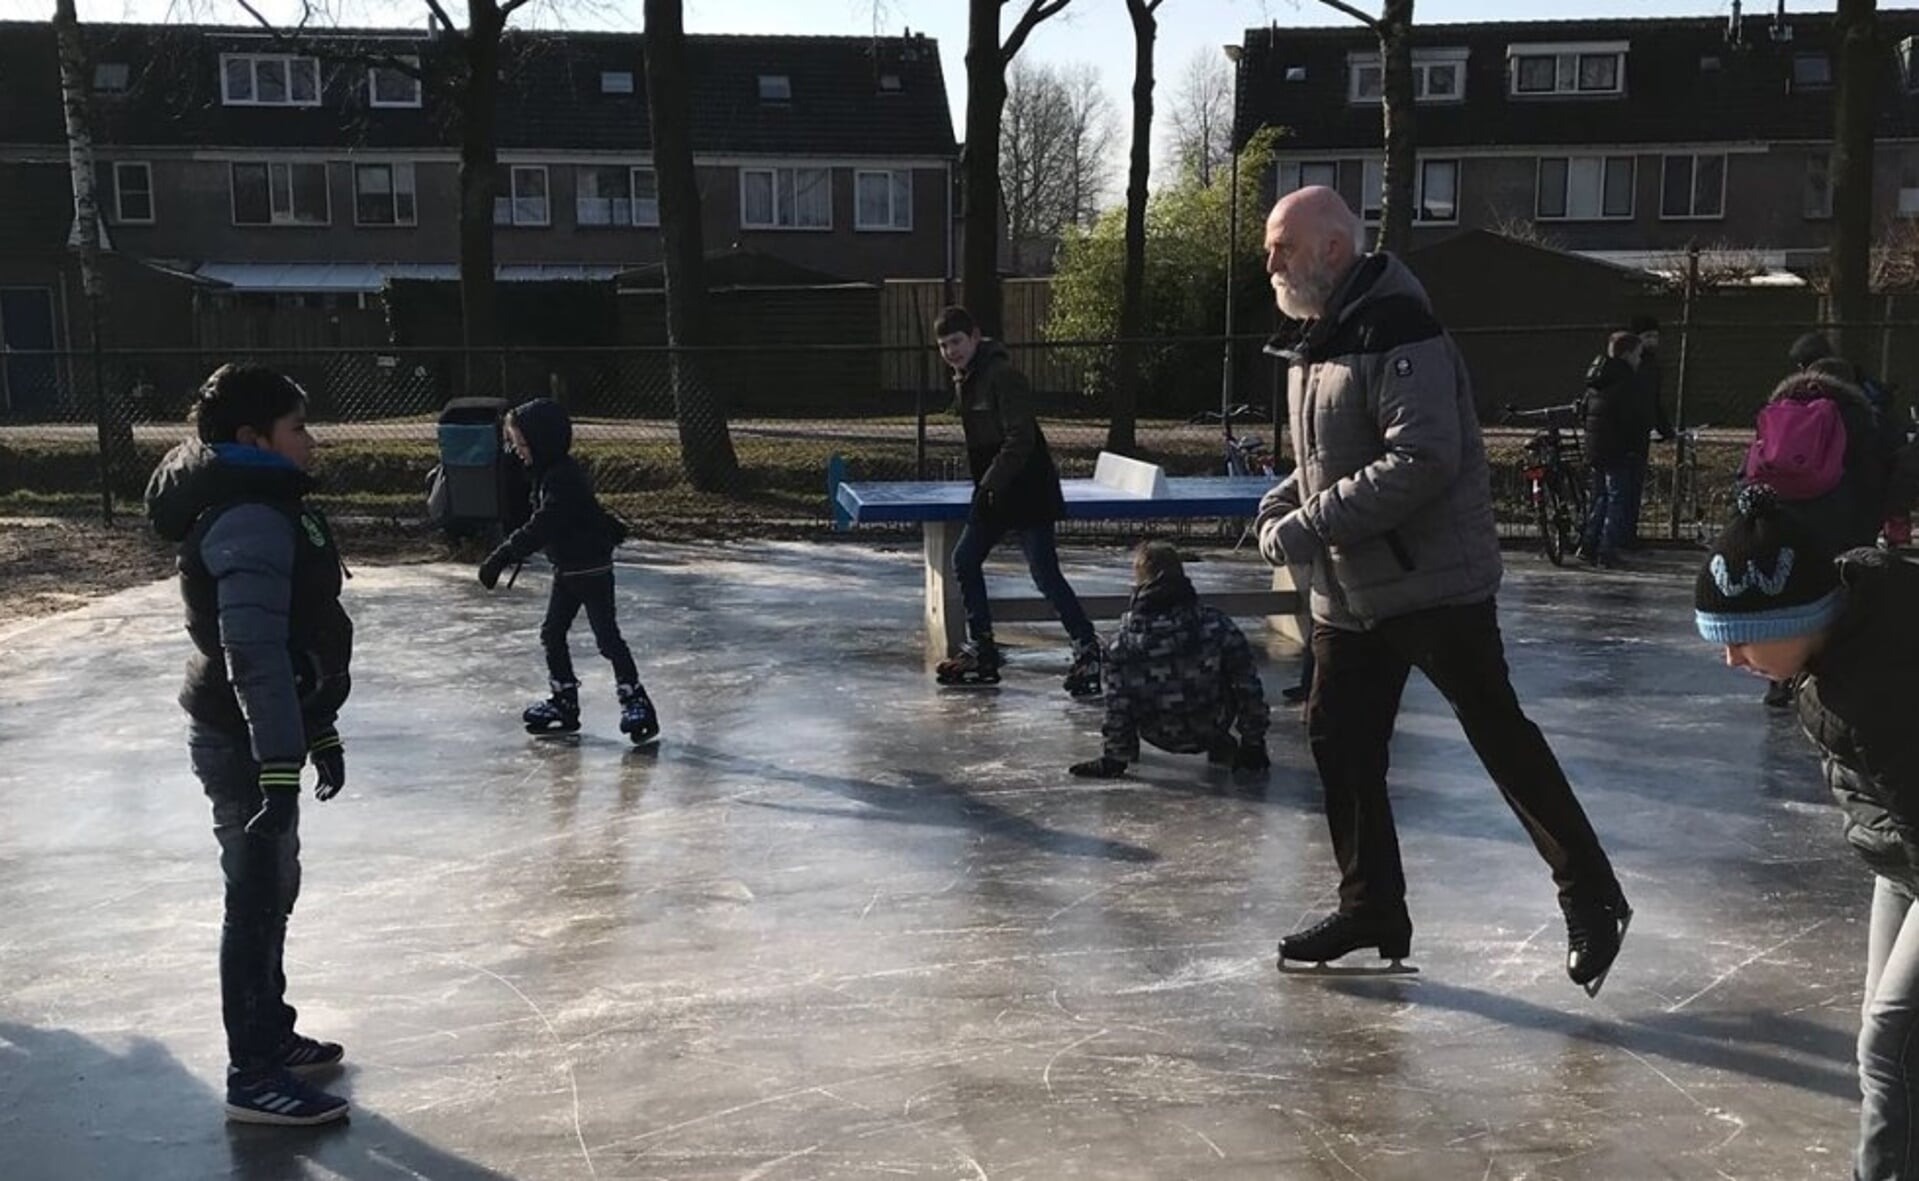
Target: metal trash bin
{"points": [[478, 487]]}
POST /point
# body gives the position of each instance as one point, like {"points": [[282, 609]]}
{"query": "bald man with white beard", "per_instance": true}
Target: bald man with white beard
{"points": [[1390, 509]]}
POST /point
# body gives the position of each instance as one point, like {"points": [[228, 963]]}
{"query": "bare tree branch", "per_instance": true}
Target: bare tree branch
{"points": [[297, 40], [1036, 11], [511, 7], [446, 21], [1370, 21]]}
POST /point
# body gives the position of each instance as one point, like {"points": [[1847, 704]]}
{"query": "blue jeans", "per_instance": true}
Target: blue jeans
{"points": [[1606, 510], [1042, 561], [1635, 493], [262, 883], [1888, 1029]]}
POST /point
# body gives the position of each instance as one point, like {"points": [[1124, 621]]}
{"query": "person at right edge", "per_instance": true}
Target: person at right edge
{"points": [[1844, 633], [1390, 507]]}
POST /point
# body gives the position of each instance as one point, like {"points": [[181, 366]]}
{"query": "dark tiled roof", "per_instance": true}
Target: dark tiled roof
{"points": [[551, 97], [1669, 97]]}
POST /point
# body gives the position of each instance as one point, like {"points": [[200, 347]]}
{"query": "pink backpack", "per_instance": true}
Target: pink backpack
{"points": [[1799, 448]]}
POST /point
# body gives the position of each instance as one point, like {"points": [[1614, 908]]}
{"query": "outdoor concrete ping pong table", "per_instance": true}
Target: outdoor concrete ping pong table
{"points": [[1121, 490]]}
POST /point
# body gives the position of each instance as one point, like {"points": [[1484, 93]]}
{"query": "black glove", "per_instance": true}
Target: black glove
{"points": [[279, 800], [982, 501], [1102, 767], [491, 568], [328, 757], [1252, 757]]}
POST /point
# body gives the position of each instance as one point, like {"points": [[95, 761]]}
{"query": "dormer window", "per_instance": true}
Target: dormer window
{"points": [[111, 77], [396, 85], [1439, 75], [776, 88], [269, 80], [616, 81], [1586, 70], [1811, 71], [889, 83]]}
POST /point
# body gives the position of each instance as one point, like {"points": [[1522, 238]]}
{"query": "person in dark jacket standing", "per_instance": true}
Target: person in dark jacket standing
{"points": [[1846, 634], [1390, 507], [1652, 379], [261, 578], [1615, 428], [1016, 490], [579, 538], [1179, 674]]}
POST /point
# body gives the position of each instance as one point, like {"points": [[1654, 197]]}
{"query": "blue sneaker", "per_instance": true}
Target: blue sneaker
{"points": [[277, 1097], [304, 1053]]}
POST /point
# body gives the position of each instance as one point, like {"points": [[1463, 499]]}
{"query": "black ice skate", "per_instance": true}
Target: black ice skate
{"points": [[558, 714], [638, 719], [1593, 937], [1340, 933], [1082, 680], [976, 663]]}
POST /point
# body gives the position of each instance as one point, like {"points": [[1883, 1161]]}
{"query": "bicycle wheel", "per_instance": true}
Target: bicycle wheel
{"points": [[1548, 511]]}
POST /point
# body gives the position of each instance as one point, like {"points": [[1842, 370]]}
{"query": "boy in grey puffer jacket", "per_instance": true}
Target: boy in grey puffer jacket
{"points": [[1180, 675]]}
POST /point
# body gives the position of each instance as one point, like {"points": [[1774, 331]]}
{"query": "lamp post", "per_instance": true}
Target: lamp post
{"points": [[1232, 254]]}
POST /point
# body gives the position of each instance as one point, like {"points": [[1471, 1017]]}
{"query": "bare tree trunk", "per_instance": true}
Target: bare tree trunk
{"points": [[115, 438], [1396, 56], [706, 445], [1856, 112], [479, 160], [979, 166], [1121, 432]]}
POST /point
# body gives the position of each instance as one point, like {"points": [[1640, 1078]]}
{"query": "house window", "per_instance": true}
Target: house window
{"points": [[111, 78], [1438, 76], [1568, 69], [616, 81], [616, 195], [1584, 188], [383, 195], [1693, 187], [1435, 190], [776, 88], [132, 193], [883, 200], [889, 83], [269, 80], [1300, 174], [1818, 200], [1812, 71], [277, 194], [388, 86], [520, 196], [786, 199]]}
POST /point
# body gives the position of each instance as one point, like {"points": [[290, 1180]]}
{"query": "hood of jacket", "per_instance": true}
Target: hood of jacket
{"points": [[195, 477], [1812, 383], [1163, 594], [547, 429], [1609, 373], [1880, 588]]}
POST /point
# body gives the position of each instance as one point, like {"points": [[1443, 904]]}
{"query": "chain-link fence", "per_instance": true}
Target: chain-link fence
{"points": [[737, 438]]}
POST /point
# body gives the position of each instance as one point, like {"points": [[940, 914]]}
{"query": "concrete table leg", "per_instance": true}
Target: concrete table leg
{"points": [[945, 615], [1294, 629]]}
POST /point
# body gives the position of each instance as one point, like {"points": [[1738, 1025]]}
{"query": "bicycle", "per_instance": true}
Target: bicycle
{"points": [[1553, 473], [1708, 514], [1244, 455]]}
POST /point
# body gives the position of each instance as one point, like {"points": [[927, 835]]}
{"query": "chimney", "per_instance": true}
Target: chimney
{"points": [[1736, 27]]}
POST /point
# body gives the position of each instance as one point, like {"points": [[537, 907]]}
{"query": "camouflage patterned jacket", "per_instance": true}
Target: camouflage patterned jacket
{"points": [[1179, 675]]}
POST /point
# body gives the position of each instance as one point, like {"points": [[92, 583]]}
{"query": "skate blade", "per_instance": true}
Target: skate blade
{"points": [[1598, 982], [641, 739], [554, 732], [1336, 969], [977, 683]]}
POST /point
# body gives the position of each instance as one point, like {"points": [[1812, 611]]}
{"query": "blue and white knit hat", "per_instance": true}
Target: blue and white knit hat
{"points": [[1768, 577]]}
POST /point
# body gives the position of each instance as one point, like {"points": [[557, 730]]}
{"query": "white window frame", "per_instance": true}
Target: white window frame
{"points": [[616, 82], [373, 85], [275, 220], [1297, 169], [900, 220], [119, 207], [1423, 63], [634, 217], [1692, 187], [774, 171], [780, 87], [1568, 60], [402, 177], [254, 62], [633, 178], [1372, 178], [1605, 159], [512, 197]]}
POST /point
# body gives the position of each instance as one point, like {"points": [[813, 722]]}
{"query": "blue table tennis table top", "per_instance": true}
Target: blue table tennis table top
{"points": [[951, 500]]}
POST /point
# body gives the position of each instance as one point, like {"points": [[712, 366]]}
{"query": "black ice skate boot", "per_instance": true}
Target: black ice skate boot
{"points": [[638, 719], [976, 663], [1082, 680], [1340, 933], [1593, 936], [558, 714]]}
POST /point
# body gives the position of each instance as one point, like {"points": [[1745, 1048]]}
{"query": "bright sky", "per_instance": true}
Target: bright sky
{"points": [[1089, 30]]}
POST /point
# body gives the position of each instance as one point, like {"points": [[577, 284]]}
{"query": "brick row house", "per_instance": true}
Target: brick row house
{"points": [[237, 171], [1625, 140]]}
